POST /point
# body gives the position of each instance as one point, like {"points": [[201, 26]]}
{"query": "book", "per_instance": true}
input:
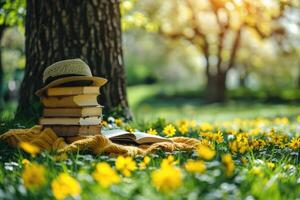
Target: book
{"points": [[70, 121], [73, 112], [66, 91], [122, 136], [71, 101], [71, 130]]}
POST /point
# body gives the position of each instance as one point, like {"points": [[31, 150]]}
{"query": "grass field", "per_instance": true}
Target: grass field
{"points": [[245, 151]]}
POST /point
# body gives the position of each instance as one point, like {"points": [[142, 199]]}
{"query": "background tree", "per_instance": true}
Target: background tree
{"points": [[12, 13], [216, 28], [91, 30]]}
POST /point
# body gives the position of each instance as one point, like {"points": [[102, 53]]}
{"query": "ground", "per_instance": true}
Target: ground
{"points": [[246, 151]]}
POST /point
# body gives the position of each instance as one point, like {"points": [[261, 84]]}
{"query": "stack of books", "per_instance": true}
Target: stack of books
{"points": [[72, 111]]}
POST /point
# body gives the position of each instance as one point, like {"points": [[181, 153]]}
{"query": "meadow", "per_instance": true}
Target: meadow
{"points": [[245, 152]]}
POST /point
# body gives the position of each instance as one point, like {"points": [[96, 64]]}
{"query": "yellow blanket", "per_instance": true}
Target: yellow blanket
{"points": [[46, 139]]}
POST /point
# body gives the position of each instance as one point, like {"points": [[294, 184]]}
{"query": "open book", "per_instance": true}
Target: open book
{"points": [[122, 136]]}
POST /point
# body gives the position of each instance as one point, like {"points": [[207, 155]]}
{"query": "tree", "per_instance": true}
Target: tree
{"points": [[216, 28], [12, 13], [90, 30]]}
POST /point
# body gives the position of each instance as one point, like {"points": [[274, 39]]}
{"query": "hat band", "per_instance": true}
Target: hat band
{"points": [[51, 78]]}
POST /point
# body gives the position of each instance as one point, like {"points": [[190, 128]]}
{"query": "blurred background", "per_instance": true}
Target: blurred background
{"points": [[197, 59]]}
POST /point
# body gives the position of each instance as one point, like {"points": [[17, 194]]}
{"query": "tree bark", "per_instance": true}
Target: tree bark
{"points": [[216, 88], [90, 30]]}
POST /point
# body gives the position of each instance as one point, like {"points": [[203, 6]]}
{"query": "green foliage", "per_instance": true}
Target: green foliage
{"points": [[12, 12]]}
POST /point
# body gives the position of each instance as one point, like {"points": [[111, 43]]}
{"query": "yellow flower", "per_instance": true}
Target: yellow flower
{"points": [[129, 129], [218, 137], [256, 171], [33, 176], [258, 144], [152, 131], [183, 129], [64, 185], [167, 178], [193, 123], [119, 122], [207, 143], [125, 165], [104, 123], [244, 160], [195, 166], [294, 143], [169, 130], [206, 127], [145, 162], [270, 165], [29, 148], [182, 122], [205, 152], [228, 163], [25, 162], [240, 145], [105, 175], [169, 161]]}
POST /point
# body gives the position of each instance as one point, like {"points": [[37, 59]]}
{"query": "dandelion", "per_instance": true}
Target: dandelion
{"points": [[104, 123], [207, 143], [195, 166], [270, 165], [65, 185], [105, 175], [205, 152], [33, 176], [206, 127], [218, 137], [119, 122], [169, 130], [294, 143], [152, 131], [183, 129], [145, 162], [25, 162], [169, 161], [258, 144], [29, 148], [193, 123], [129, 129], [298, 118], [125, 165], [256, 171], [228, 164], [244, 160], [182, 122], [167, 178]]}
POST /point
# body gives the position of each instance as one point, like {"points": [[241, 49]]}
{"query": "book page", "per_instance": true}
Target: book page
{"points": [[118, 133], [142, 138]]}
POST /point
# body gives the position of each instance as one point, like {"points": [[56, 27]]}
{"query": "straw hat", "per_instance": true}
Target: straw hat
{"points": [[65, 71]]}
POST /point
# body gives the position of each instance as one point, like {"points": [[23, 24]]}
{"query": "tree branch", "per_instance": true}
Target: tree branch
{"points": [[235, 47]]}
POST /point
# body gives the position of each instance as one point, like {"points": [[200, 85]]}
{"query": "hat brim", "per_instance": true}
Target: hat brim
{"points": [[96, 81]]}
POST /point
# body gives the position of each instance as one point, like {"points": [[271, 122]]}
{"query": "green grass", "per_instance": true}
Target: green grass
{"points": [[150, 102], [252, 177]]}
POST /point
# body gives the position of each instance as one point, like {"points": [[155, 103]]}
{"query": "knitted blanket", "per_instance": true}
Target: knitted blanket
{"points": [[46, 139]]}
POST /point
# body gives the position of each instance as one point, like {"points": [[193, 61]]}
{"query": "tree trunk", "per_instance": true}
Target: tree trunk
{"points": [[216, 88], [298, 81], [90, 30]]}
